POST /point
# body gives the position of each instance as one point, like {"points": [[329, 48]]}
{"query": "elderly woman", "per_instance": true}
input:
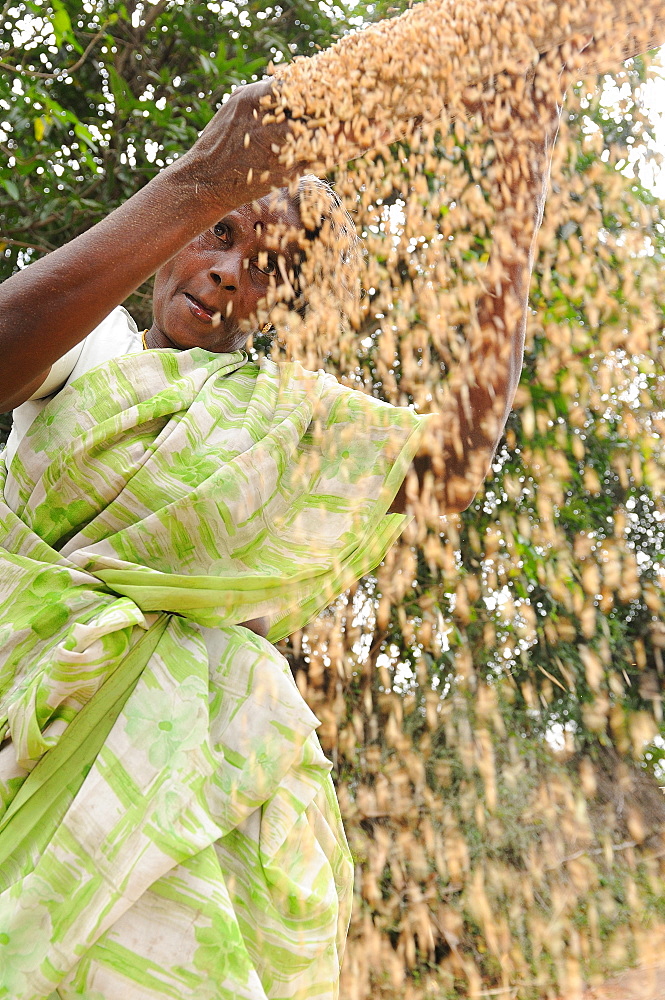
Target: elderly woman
{"points": [[168, 826]]}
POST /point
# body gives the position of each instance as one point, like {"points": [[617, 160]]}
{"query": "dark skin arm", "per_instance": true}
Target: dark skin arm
{"points": [[477, 413], [481, 397], [50, 306]]}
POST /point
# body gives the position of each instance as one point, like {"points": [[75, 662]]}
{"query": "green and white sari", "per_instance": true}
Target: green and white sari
{"points": [[168, 826]]}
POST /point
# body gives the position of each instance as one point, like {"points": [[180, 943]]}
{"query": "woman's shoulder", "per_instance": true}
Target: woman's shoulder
{"points": [[114, 337], [339, 401], [117, 334]]}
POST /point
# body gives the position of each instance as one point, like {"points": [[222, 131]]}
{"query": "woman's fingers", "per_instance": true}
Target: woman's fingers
{"points": [[239, 153]]}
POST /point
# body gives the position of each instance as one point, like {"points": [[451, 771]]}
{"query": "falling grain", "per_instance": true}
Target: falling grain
{"points": [[483, 841]]}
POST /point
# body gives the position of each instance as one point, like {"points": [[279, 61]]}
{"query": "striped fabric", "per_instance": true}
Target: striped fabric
{"points": [[199, 853]]}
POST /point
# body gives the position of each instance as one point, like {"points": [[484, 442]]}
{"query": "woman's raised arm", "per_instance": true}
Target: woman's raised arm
{"points": [[481, 392], [51, 305]]}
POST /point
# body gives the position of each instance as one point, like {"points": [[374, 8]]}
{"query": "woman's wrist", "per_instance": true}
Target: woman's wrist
{"points": [[237, 157], [194, 194]]}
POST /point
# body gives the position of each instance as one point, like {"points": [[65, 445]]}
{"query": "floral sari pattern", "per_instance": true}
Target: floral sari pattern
{"points": [[198, 851]]}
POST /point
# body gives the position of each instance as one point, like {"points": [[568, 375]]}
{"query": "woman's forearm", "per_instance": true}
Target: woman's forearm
{"points": [[482, 393], [51, 305], [479, 394], [48, 307]]}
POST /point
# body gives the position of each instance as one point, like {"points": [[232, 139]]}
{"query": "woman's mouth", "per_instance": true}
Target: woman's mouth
{"points": [[203, 312]]}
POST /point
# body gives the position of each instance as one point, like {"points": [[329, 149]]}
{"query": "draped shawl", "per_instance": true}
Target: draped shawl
{"points": [[168, 826]]}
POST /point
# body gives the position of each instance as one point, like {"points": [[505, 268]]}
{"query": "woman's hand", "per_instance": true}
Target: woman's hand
{"points": [[237, 156]]}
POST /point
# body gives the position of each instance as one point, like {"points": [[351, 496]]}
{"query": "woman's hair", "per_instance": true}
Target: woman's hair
{"points": [[312, 311], [329, 274]]}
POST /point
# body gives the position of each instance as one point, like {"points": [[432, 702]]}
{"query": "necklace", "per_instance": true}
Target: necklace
{"points": [[143, 341]]}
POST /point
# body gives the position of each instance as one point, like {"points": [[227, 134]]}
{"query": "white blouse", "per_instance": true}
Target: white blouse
{"points": [[116, 335]]}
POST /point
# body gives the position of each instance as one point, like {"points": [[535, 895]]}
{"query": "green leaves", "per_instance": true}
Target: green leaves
{"points": [[10, 188], [62, 26]]}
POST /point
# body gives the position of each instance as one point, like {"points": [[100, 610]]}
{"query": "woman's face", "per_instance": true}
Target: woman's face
{"points": [[207, 295]]}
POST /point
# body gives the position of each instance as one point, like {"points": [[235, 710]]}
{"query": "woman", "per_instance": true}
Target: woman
{"points": [[181, 836]]}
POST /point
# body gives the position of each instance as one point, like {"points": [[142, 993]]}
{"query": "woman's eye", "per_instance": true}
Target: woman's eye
{"points": [[266, 264], [222, 232]]}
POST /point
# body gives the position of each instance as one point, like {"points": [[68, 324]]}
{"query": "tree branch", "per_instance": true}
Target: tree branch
{"points": [[27, 246], [66, 70]]}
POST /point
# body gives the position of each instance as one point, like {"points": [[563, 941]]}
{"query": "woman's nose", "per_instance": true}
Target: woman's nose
{"points": [[226, 272]]}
